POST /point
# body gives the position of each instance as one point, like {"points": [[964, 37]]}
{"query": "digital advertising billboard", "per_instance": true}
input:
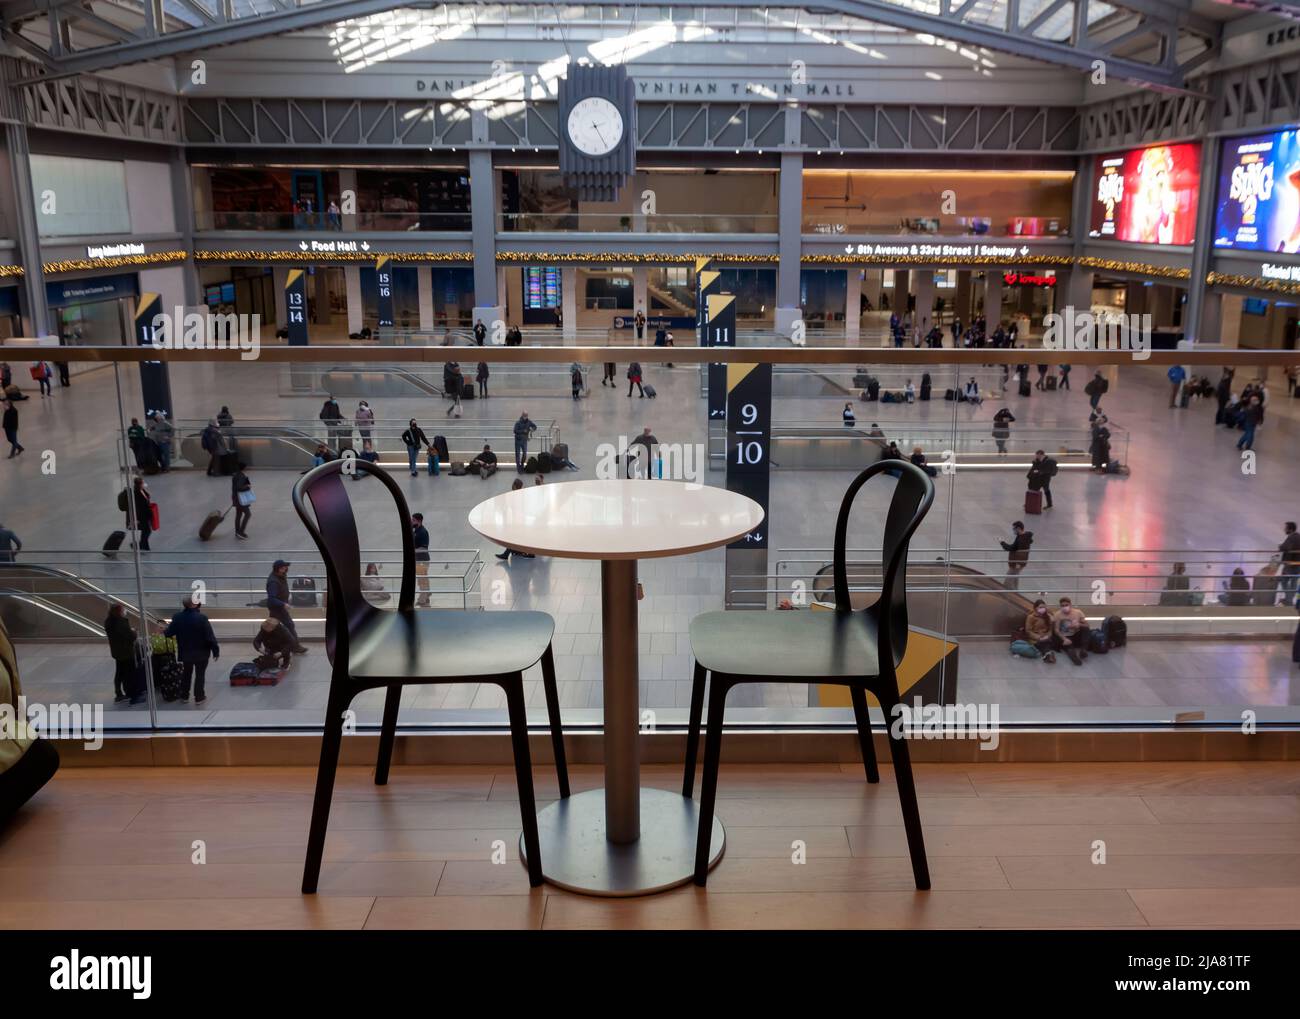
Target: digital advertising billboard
{"points": [[1258, 201], [1147, 196]]}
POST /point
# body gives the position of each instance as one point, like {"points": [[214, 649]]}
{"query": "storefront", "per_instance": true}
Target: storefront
{"points": [[92, 310]]}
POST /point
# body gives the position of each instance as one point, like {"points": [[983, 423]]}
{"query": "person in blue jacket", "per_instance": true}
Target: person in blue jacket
{"points": [[1177, 375], [195, 643]]}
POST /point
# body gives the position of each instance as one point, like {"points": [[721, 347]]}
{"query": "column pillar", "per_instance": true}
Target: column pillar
{"points": [[853, 308], [993, 297], [424, 283], [1230, 320], [36, 313], [789, 241], [356, 307], [183, 212], [1203, 242], [483, 216], [923, 318], [569, 304], [641, 289], [279, 280]]}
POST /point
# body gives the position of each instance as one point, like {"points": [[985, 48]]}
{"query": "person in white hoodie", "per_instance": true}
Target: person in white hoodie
{"points": [[365, 419]]}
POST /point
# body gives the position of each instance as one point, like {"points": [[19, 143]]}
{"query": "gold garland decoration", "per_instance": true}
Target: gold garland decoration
{"points": [[948, 260], [10, 270], [117, 262], [294, 257], [1224, 279], [1140, 268]]}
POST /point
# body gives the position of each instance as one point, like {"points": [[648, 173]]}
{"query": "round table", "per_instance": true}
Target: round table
{"points": [[620, 840]]}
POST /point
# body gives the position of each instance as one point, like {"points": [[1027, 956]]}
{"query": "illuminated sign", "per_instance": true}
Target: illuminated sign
{"points": [[1024, 279], [114, 250], [1147, 196], [1258, 204], [957, 251]]}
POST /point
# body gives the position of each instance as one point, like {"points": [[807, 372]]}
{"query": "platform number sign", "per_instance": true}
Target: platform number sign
{"points": [[384, 292], [155, 380], [295, 306], [719, 331], [749, 440]]}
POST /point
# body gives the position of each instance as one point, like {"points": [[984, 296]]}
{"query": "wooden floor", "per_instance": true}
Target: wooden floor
{"points": [[1010, 845]]}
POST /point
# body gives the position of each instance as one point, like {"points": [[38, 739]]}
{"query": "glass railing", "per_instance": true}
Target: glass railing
{"points": [[325, 220], [1152, 514], [659, 223]]}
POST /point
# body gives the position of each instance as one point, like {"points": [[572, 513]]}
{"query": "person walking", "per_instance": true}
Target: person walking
{"points": [[1041, 384], [11, 428], [1017, 550], [277, 600], [215, 445], [1100, 445], [608, 378], [1290, 553], [242, 497], [634, 379], [1041, 472], [639, 323], [523, 429], [121, 647], [1002, 428], [332, 416], [1065, 376], [160, 432], [480, 333], [575, 380], [415, 440], [453, 385], [195, 644], [1222, 394], [481, 374], [1096, 389], [41, 373], [1177, 375], [10, 545], [365, 421], [139, 501], [420, 538], [1250, 419]]}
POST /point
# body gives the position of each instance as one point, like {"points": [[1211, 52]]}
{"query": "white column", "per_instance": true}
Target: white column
{"points": [[853, 308], [279, 277], [356, 309], [641, 290], [424, 278], [923, 319], [1229, 324], [569, 304]]}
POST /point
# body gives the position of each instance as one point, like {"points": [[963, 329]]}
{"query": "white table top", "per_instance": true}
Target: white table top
{"points": [[635, 519]]}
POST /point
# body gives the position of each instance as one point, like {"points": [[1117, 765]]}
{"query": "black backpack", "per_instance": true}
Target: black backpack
{"points": [[1051, 466], [1116, 631]]}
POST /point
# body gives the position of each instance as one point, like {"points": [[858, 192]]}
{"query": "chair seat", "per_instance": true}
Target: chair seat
{"points": [[447, 644], [816, 645]]}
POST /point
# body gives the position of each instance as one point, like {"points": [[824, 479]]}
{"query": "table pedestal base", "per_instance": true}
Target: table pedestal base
{"points": [[576, 855]]}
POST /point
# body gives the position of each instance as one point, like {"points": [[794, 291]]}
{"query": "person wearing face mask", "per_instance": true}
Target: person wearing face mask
{"points": [[1070, 630], [1038, 625]]}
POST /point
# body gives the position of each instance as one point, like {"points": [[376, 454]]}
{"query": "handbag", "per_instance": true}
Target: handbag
{"points": [[247, 497], [153, 516]]}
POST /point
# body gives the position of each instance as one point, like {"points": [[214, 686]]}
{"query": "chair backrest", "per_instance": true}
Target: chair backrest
{"points": [[333, 527], [913, 496]]}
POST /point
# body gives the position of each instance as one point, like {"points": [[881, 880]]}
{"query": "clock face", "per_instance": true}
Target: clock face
{"points": [[595, 126]]}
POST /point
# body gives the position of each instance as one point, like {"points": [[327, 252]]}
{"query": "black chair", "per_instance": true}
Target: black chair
{"points": [[371, 647], [858, 649]]}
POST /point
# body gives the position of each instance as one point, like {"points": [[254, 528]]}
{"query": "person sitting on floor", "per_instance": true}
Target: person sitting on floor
{"points": [[1038, 626], [487, 462]]}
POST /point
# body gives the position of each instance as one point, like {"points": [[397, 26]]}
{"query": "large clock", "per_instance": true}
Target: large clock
{"points": [[595, 126], [597, 129]]}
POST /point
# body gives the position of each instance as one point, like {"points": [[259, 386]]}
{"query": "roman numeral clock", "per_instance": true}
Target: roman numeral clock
{"points": [[597, 122]]}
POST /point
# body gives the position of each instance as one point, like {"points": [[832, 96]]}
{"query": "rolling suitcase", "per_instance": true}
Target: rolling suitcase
{"points": [[650, 393], [1025, 389], [1033, 501], [1050, 383], [114, 543], [467, 391], [210, 523]]}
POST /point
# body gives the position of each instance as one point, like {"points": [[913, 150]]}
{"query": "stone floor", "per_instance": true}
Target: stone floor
{"points": [[1187, 493]]}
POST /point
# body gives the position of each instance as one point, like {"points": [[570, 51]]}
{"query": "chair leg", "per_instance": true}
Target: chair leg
{"points": [[330, 742], [557, 728], [863, 716], [906, 790], [514, 689], [388, 733], [709, 780], [693, 729]]}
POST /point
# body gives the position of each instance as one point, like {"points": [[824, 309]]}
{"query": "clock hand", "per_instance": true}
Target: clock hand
{"points": [[596, 128]]}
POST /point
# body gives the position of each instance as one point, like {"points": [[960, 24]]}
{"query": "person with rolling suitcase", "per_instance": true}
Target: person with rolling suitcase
{"points": [[195, 644], [1041, 472], [138, 507]]}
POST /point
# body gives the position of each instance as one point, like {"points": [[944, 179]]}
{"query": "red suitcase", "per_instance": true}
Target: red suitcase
{"points": [[1033, 501]]}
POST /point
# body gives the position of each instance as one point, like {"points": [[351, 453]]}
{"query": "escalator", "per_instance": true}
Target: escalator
{"points": [[44, 602], [977, 605], [258, 446], [389, 381]]}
